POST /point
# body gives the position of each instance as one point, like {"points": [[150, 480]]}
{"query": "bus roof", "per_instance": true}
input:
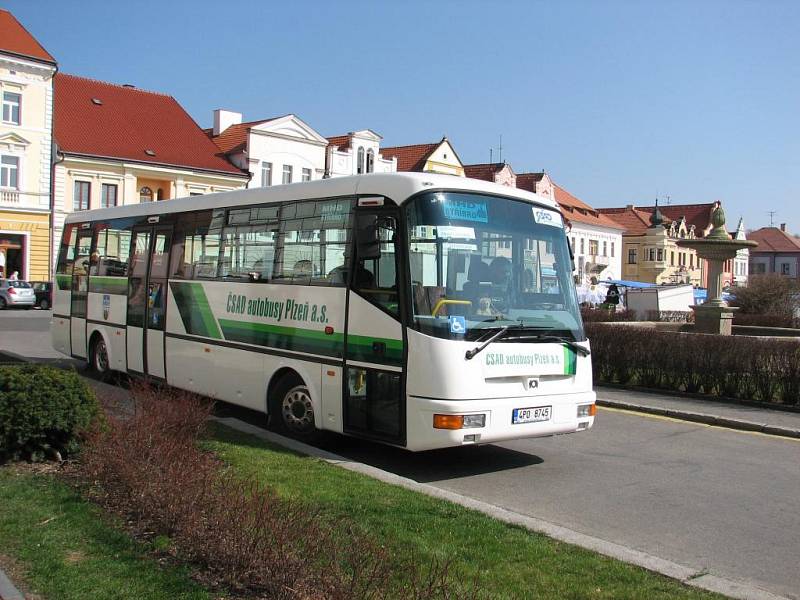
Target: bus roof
{"points": [[397, 186]]}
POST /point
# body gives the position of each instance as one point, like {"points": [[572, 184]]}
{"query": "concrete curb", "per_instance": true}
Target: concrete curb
{"points": [[7, 589], [704, 418], [693, 576]]}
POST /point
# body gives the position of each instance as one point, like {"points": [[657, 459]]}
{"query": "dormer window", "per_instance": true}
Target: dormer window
{"points": [[97, 102], [150, 152]]}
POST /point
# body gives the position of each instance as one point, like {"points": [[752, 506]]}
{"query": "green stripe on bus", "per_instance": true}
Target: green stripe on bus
{"points": [[64, 281], [287, 338], [194, 309], [570, 361], [360, 347], [109, 285]]}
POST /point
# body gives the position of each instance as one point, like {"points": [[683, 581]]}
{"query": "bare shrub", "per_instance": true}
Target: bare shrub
{"points": [[770, 295], [149, 468]]}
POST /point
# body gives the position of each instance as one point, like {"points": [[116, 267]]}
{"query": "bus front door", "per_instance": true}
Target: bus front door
{"points": [[374, 398], [147, 300]]}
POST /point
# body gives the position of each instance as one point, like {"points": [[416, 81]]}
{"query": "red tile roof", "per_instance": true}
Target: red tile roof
{"points": [[578, 211], [342, 141], [234, 138], [410, 158], [633, 220], [15, 39], [129, 122], [528, 181], [772, 239], [698, 215], [484, 171]]}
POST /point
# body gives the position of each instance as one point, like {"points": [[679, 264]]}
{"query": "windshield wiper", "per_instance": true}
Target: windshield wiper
{"points": [[544, 337], [500, 333]]}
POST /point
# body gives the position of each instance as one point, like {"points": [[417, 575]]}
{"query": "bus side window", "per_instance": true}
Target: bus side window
{"points": [[375, 275]]}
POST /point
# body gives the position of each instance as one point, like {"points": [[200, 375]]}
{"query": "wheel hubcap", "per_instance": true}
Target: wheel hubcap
{"points": [[101, 357], [297, 410]]}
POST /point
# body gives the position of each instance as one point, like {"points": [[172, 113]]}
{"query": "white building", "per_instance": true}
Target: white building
{"points": [[596, 240], [274, 151], [741, 262], [356, 153]]}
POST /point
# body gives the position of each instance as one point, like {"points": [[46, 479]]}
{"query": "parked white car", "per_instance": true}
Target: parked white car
{"points": [[16, 293]]}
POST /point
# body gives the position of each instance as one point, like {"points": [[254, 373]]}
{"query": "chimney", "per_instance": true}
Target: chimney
{"points": [[629, 207], [224, 119], [783, 226]]}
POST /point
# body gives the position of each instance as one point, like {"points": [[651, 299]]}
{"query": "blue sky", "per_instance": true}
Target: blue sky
{"points": [[618, 101]]}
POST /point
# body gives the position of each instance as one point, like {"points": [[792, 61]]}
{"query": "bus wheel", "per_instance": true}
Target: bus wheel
{"points": [[99, 359], [292, 409]]}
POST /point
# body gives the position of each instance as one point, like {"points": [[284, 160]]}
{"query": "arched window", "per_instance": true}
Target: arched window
{"points": [[370, 161], [145, 194], [360, 163]]}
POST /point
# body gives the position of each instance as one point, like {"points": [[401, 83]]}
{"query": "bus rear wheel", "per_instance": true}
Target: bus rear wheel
{"points": [[292, 410], [98, 359]]}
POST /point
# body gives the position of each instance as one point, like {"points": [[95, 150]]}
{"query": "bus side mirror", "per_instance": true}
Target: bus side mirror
{"points": [[368, 242]]}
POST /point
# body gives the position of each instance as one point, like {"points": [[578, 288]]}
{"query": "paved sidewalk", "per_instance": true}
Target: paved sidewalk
{"points": [[711, 412]]}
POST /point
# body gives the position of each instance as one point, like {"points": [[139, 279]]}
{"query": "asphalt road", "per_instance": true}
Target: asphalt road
{"points": [[693, 494]]}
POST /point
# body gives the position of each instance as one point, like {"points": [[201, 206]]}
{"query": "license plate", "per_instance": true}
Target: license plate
{"points": [[531, 415]]}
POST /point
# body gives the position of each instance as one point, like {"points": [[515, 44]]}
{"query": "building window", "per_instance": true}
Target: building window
{"points": [[306, 175], [370, 161], [145, 194], [360, 163], [672, 259], [631, 256], [266, 174], [612, 249], [605, 248], [572, 244], [80, 199], [583, 248], [108, 195], [785, 269], [287, 174], [691, 261], [11, 107], [660, 254], [9, 172], [593, 246]]}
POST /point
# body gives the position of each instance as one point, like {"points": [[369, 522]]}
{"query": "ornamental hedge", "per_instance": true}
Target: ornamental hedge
{"points": [[43, 411], [744, 368]]}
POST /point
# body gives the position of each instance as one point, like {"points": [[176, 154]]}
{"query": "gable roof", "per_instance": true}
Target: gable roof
{"points": [[100, 119], [577, 210], [234, 138], [633, 220], [698, 215], [342, 141], [411, 158], [528, 181], [15, 39], [484, 171], [772, 239]]}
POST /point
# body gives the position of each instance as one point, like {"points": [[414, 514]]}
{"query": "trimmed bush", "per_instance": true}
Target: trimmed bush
{"points": [[745, 368], [43, 411]]}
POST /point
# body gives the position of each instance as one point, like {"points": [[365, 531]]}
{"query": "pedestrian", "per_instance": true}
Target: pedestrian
{"points": [[612, 297], [14, 276]]}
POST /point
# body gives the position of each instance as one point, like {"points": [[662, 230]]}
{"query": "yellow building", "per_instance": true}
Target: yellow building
{"points": [[26, 120], [118, 145]]}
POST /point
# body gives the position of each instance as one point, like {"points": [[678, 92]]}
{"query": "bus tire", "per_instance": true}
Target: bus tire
{"points": [[98, 359], [292, 410]]}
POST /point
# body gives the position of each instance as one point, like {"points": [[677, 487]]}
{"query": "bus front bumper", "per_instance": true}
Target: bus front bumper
{"points": [[503, 419]]}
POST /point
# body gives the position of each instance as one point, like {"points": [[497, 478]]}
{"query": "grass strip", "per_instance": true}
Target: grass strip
{"points": [[506, 561], [68, 548]]}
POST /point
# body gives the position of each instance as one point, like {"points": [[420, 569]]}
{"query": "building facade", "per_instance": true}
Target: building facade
{"points": [[437, 157], [118, 145], [741, 262], [499, 173], [273, 151], [26, 139], [777, 252], [357, 153], [595, 239]]}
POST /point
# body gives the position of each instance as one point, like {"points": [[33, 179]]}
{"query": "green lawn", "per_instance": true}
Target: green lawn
{"points": [[67, 549], [507, 561]]}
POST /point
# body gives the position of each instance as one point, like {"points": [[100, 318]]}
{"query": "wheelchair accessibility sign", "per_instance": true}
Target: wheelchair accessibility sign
{"points": [[458, 325]]}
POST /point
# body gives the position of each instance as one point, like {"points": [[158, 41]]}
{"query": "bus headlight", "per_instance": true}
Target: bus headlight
{"points": [[458, 421], [587, 410]]}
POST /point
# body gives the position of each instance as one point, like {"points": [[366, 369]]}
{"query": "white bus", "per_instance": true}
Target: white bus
{"points": [[423, 311]]}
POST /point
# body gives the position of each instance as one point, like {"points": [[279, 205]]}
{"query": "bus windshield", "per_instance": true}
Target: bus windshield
{"points": [[483, 262]]}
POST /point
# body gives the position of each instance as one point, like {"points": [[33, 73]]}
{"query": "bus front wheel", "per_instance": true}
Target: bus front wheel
{"points": [[98, 359], [292, 410]]}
